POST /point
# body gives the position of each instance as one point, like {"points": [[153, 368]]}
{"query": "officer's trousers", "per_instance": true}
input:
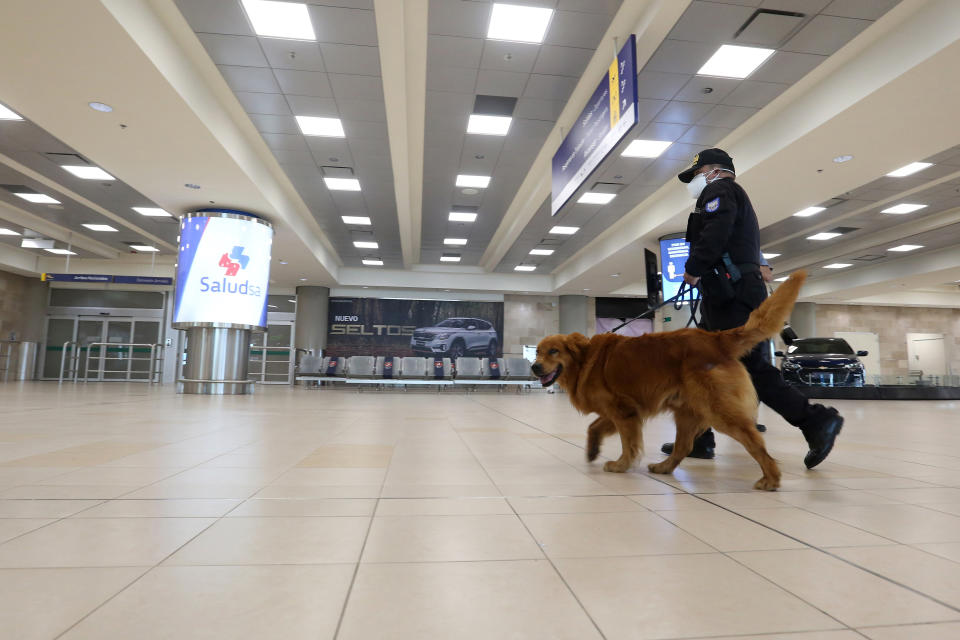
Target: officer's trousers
{"points": [[772, 389]]}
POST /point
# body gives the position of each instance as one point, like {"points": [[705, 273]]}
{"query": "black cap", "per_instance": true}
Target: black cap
{"points": [[702, 159]]}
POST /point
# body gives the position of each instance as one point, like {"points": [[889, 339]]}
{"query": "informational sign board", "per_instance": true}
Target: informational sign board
{"points": [[104, 279], [609, 115], [673, 259], [223, 271]]}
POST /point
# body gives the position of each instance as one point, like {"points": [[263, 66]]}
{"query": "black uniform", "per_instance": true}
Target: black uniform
{"points": [[724, 222]]}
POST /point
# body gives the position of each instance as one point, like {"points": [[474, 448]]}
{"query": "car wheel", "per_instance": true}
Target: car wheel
{"points": [[492, 349], [457, 349]]}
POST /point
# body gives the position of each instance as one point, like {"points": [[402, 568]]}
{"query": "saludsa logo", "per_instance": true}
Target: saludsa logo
{"points": [[233, 263]]}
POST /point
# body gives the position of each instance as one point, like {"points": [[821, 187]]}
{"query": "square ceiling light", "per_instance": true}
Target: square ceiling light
{"points": [[317, 126], [906, 247], [342, 184], [455, 241], [360, 220], [478, 182], [837, 265], [909, 169], [36, 243], [732, 61], [904, 208], [518, 23], [462, 216], [7, 114], [37, 198], [591, 197], [809, 211], [87, 172], [488, 125], [564, 231], [450, 257], [541, 252], [273, 19], [99, 227], [153, 212], [61, 252], [370, 262], [824, 235], [770, 256], [525, 267], [8, 232], [361, 244], [645, 148], [145, 248]]}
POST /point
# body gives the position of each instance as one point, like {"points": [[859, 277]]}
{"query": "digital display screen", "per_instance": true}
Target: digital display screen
{"points": [[673, 258]]}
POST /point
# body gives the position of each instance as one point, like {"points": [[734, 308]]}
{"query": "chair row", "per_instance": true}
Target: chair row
{"points": [[436, 370]]}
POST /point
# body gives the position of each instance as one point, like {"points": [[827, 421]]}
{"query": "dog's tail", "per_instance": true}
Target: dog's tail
{"points": [[767, 319]]}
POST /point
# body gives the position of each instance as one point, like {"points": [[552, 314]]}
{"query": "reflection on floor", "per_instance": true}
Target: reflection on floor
{"points": [[131, 512]]}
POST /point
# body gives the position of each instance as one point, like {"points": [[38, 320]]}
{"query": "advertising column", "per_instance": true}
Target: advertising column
{"points": [[223, 272]]}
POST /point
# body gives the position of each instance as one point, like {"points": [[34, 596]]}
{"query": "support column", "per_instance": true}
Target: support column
{"points": [[573, 314], [313, 304], [804, 319]]}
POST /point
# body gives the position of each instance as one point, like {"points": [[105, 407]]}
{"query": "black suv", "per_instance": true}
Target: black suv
{"points": [[827, 362]]}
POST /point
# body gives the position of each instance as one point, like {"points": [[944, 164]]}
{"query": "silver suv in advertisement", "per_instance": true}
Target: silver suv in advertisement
{"points": [[455, 337]]}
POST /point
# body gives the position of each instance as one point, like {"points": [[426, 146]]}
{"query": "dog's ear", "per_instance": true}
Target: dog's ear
{"points": [[576, 344]]}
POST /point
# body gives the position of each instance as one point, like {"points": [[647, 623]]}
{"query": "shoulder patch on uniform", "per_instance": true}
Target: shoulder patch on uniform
{"points": [[712, 206]]}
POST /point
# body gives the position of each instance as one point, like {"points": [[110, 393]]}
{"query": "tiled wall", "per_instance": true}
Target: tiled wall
{"points": [[892, 324], [23, 302], [528, 319]]}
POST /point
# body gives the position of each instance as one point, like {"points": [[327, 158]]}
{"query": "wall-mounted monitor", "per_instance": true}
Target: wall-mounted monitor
{"points": [[674, 251]]}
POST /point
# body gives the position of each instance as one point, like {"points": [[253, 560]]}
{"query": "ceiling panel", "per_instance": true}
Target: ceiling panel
{"points": [[824, 35], [238, 51]]}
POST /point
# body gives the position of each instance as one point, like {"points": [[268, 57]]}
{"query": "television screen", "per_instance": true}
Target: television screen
{"points": [[652, 273], [673, 259]]}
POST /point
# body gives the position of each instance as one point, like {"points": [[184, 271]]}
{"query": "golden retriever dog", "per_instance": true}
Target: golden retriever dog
{"points": [[695, 374]]}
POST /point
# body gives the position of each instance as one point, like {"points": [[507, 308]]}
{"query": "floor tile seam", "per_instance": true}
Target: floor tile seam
{"points": [[906, 624], [44, 526], [853, 526], [930, 553], [930, 507], [533, 538], [121, 590]]}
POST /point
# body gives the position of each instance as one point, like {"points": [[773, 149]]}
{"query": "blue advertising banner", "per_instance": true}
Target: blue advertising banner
{"points": [[609, 115], [104, 279]]}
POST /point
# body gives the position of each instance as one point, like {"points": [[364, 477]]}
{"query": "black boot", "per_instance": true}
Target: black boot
{"points": [[820, 430], [703, 446]]}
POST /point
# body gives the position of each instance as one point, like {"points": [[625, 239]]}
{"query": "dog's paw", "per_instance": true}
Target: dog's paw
{"points": [[615, 466], [593, 450], [766, 484], [660, 467]]}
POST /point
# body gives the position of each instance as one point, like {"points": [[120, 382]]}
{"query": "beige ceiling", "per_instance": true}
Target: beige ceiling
{"points": [[883, 97]]}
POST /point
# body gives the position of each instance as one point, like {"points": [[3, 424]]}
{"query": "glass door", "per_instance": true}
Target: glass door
{"points": [[89, 332], [115, 358], [59, 331], [144, 332], [271, 354]]}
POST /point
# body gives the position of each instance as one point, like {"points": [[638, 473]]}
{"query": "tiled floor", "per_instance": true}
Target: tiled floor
{"points": [[131, 512]]}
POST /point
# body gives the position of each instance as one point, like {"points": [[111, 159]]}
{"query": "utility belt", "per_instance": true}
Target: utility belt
{"points": [[716, 285]]}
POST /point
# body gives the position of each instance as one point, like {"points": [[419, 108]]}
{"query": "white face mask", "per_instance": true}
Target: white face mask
{"points": [[696, 186]]}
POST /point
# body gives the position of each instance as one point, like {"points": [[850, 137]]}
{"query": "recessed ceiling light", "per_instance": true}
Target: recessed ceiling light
{"points": [[837, 265], [564, 231], [488, 125], [293, 300], [37, 198], [272, 306], [99, 227], [88, 172], [365, 245], [449, 258], [906, 247], [315, 126], [781, 279], [373, 263], [61, 252], [303, 279], [455, 241], [462, 216], [910, 169], [525, 267], [731, 61], [480, 182], [904, 208], [36, 243], [363, 220], [342, 184], [8, 232], [591, 197], [145, 248], [586, 289], [280, 19], [7, 114], [645, 148], [770, 256], [541, 252], [282, 261], [152, 212], [824, 235], [809, 211], [518, 23], [100, 106], [614, 275], [842, 159]]}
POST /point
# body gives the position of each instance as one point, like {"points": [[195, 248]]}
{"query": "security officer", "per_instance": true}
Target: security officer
{"points": [[724, 239]]}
